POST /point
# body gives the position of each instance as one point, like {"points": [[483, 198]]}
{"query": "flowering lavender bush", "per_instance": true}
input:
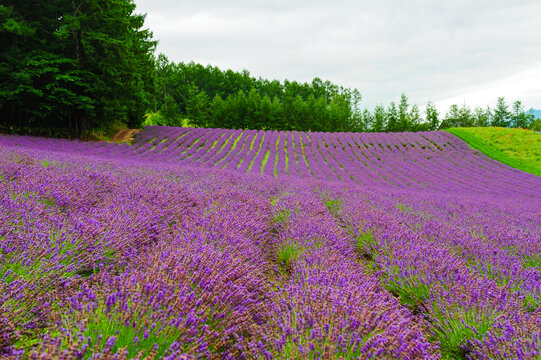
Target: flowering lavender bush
{"points": [[211, 244]]}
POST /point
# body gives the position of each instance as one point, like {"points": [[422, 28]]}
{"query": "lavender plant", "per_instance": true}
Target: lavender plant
{"points": [[229, 244]]}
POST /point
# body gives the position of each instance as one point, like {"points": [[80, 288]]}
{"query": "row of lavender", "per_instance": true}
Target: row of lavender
{"points": [[431, 160], [104, 251], [103, 257], [469, 265]]}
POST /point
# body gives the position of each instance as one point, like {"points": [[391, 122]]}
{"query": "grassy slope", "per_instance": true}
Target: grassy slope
{"points": [[518, 148]]}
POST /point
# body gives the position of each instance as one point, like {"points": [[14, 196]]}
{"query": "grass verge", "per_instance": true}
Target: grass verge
{"points": [[518, 148]]}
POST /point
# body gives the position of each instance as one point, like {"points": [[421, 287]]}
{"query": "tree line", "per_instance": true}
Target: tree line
{"points": [[189, 93], [70, 67]]}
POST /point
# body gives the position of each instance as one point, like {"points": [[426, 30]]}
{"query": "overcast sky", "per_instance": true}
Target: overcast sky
{"points": [[444, 51]]}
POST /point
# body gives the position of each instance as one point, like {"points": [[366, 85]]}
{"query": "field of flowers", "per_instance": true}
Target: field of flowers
{"points": [[211, 244]]}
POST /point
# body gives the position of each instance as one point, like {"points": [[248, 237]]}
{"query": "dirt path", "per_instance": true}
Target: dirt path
{"points": [[125, 135]]}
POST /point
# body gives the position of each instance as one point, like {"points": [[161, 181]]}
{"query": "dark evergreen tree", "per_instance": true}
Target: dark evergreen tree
{"points": [[74, 65]]}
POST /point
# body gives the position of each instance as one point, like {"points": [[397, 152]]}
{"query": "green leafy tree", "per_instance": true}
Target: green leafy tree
{"points": [[317, 116], [519, 118], [392, 117], [415, 119], [380, 119], [501, 113], [216, 112], [170, 112], [458, 117], [403, 118], [366, 121], [432, 116], [482, 117], [75, 65]]}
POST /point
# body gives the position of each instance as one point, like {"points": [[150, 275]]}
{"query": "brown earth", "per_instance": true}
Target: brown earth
{"points": [[125, 135]]}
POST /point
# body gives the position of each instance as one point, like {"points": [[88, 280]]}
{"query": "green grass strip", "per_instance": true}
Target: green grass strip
{"points": [[275, 165], [191, 145], [257, 152], [303, 152], [286, 151], [264, 162], [518, 148], [230, 150]]}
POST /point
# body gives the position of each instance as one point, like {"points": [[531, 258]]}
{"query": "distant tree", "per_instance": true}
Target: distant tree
{"points": [[452, 117], [340, 113], [278, 118], [392, 117], [519, 118], [216, 112], [403, 118], [482, 117], [317, 119], [265, 113], [254, 115], [415, 119], [501, 114], [198, 108], [466, 118], [170, 112], [380, 121], [432, 116], [366, 121], [535, 125], [458, 117]]}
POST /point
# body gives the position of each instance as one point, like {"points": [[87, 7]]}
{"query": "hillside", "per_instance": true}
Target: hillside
{"points": [[518, 148], [213, 244]]}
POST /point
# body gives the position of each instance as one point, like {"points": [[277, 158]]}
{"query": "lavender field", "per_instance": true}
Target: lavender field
{"points": [[230, 244]]}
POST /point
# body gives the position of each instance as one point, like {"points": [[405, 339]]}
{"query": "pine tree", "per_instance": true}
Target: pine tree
{"points": [[392, 117]]}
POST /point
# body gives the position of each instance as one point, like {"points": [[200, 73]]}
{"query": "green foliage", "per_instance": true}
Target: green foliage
{"points": [[454, 331], [334, 205], [139, 336], [458, 117], [288, 253], [366, 244], [198, 108], [519, 118], [153, 119], [413, 291], [432, 116], [212, 97], [535, 125], [77, 68], [518, 148], [282, 216], [73, 65], [392, 117], [501, 114], [169, 112]]}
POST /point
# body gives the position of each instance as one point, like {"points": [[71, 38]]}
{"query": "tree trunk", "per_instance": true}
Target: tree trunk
{"points": [[77, 32]]}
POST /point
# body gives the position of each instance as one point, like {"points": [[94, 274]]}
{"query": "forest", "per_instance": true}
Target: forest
{"points": [[82, 68]]}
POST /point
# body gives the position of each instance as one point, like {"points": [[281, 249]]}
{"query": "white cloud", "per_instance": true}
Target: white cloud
{"points": [[523, 86]]}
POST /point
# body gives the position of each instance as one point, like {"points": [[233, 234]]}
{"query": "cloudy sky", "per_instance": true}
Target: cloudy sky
{"points": [[446, 51]]}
